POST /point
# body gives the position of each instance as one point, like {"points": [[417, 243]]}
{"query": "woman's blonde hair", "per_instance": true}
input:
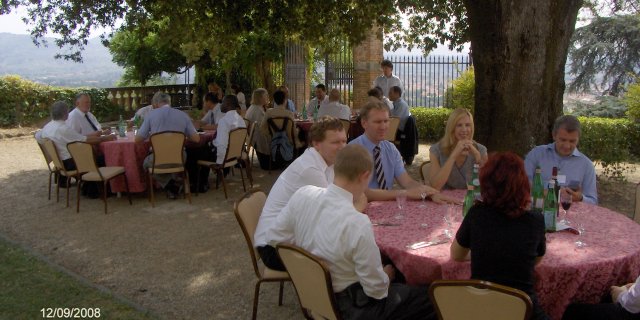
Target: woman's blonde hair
{"points": [[449, 141], [259, 96]]}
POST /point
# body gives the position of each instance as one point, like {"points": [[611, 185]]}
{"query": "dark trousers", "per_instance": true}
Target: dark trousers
{"points": [[193, 155], [89, 188], [270, 258], [598, 311], [402, 302]]}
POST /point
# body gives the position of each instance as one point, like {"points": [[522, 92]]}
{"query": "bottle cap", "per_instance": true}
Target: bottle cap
{"points": [[470, 187]]}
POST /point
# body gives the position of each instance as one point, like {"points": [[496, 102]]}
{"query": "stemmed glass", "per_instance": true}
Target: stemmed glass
{"points": [[448, 219], [423, 195], [579, 243], [401, 202], [565, 201]]}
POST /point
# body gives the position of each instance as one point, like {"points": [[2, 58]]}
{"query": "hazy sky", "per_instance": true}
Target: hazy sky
{"points": [[12, 23]]}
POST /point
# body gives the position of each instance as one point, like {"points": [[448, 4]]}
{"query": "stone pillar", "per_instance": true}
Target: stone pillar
{"points": [[367, 56], [297, 79]]}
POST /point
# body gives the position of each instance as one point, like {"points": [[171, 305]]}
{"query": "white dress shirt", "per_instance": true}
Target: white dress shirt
{"points": [[385, 83], [308, 169], [313, 104], [630, 299], [78, 123], [214, 115], [142, 112], [60, 133], [335, 109], [231, 120], [324, 222]]}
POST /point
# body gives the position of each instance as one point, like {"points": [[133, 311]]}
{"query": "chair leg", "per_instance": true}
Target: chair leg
{"points": [[242, 177], [79, 184], [104, 195], [126, 183], [50, 173], [256, 297], [58, 190], [280, 294], [224, 184]]}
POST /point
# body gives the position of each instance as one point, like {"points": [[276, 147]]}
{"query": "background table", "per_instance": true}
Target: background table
{"points": [[566, 274], [125, 152], [355, 129]]}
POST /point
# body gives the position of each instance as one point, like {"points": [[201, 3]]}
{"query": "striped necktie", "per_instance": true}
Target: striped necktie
{"points": [[377, 163]]}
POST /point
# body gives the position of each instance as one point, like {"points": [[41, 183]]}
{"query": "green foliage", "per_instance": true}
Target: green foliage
{"points": [[461, 93], [632, 101], [608, 142], [605, 54], [604, 107], [430, 122], [25, 102]]}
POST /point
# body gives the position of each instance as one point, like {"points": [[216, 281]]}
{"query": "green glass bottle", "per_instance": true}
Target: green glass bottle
{"points": [[315, 112], [537, 192], [550, 208], [475, 181], [304, 111], [122, 127], [469, 199]]}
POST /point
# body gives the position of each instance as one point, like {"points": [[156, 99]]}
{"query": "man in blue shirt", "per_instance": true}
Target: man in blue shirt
{"points": [[374, 117], [575, 170], [165, 118]]}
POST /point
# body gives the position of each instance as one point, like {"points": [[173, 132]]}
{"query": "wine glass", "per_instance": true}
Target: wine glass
{"points": [[423, 195], [581, 230], [565, 201], [401, 202], [448, 219]]}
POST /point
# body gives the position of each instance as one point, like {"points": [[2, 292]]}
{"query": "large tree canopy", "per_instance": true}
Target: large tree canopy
{"points": [[519, 46]]}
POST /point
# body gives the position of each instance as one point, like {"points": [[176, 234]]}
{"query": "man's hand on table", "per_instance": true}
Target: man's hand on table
{"points": [[109, 137], [390, 271], [616, 292], [576, 195], [441, 198], [360, 202]]}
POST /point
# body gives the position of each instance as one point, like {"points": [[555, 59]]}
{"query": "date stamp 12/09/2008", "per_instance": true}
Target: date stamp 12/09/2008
{"points": [[70, 313]]}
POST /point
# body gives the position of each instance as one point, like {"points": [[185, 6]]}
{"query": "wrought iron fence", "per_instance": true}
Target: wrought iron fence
{"points": [[426, 79]]}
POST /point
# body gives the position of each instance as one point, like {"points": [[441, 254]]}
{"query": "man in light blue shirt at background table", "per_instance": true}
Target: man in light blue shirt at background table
{"points": [[575, 170]]}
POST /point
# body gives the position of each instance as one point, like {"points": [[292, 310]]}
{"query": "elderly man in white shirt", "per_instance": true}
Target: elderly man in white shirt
{"points": [[82, 121], [334, 108], [625, 305], [324, 222], [213, 113], [61, 134], [387, 79], [313, 167]]}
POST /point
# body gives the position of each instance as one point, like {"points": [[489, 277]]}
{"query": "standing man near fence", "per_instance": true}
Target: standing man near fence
{"points": [[387, 79]]}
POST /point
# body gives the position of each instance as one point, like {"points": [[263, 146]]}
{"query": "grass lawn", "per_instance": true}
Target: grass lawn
{"points": [[28, 284]]}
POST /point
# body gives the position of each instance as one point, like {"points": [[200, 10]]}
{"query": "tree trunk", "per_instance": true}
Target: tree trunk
{"points": [[263, 70], [519, 54]]}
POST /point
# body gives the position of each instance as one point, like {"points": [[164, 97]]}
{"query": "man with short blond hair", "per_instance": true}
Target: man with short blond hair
{"points": [[324, 222], [313, 167]]}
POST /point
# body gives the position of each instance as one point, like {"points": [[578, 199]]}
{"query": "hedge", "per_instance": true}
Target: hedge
{"points": [[23, 102]]}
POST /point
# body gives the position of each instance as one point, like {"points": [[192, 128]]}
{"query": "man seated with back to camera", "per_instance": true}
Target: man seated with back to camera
{"points": [[324, 222]]}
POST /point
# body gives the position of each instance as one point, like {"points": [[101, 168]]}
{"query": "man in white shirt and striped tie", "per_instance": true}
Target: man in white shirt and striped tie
{"points": [[82, 121]]}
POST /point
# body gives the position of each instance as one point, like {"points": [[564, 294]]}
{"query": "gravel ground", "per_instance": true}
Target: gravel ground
{"points": [[179, 261]]}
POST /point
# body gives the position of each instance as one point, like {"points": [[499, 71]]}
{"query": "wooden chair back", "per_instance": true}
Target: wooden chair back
{"points": [[312, 281], [480, 300]]}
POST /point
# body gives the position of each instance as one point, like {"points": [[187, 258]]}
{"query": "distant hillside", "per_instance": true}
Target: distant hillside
{"points": [[20, 56]]}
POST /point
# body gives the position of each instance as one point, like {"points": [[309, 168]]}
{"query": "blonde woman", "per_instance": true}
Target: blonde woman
{"points": [[453, 157], [255, 114]]}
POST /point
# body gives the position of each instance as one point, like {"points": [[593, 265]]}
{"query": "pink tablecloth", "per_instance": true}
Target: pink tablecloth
{"points": [[124, 152], [565, 275]]}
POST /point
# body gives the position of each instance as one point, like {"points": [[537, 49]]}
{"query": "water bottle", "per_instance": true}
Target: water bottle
{"points": [[550, 208], [122, 128], [469, 199]]}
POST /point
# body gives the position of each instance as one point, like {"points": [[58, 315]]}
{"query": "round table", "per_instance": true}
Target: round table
{"points": [[566, 274], [125, 152]]}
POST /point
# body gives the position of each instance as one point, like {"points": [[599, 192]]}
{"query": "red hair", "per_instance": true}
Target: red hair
{"points": [[504, 183]]}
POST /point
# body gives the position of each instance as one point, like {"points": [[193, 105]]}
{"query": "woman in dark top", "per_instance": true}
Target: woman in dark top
{"points": [[503, 239]]}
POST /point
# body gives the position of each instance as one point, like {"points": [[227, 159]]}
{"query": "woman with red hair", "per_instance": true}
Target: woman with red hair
{"points": [[501, 237]]}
